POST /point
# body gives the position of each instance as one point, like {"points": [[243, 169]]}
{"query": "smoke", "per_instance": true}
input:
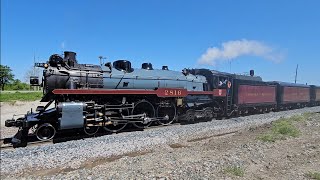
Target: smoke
{"points": [[233, 49]]}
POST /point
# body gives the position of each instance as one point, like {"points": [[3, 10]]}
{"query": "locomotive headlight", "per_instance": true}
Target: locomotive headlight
{"points": [[46, 65]]}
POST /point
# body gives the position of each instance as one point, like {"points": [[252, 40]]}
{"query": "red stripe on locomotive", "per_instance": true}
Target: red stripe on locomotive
{"points": [[161, 92]]}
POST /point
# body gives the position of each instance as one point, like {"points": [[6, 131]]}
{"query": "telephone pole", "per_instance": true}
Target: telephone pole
{"points": [[101, 57], [34, 61], [295, 79]]}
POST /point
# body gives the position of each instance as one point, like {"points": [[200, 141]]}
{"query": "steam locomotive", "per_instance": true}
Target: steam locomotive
{"points": [[110, 96]]}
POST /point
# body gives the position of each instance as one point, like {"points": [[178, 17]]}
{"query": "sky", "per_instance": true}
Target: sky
{"points": [[269, 36]]}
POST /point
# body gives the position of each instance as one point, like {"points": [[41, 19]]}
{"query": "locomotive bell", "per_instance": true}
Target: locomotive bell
{"points": [[147, 66]]}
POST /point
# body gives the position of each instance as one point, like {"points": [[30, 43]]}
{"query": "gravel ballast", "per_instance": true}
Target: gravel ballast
{"points": [[75, 154]]}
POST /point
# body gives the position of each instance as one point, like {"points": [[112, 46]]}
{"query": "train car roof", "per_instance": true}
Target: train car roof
{"points": [[238, 76], [290, 84]]}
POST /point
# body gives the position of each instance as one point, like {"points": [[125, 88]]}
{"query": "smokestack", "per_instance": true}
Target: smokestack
{"points": [[70, 58]]}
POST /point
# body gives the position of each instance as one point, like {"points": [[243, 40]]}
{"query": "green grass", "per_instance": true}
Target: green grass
{"points": [[234, 170], [297, 118], [268, 137], [17, 96], [285, 128], [301, 118], [314, 175], [282, 129], [307, 115]]}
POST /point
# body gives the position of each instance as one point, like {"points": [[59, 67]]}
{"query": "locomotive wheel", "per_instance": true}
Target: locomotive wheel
{"points": [[116, 127], [167, 111], [91, 130], [142, 107], [208, 112], [45, 132]]}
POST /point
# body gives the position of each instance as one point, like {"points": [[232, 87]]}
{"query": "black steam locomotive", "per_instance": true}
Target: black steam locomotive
{"points": [[90, 97]]}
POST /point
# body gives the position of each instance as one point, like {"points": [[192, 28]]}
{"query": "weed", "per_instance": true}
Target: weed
{"points": [[267, 138], [282, 129], [313, 175], [12, 103], [286, 128], [296, 118], [307, 115], [234, 170]]}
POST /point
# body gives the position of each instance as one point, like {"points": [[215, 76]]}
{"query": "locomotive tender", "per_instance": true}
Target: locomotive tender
{"points": [[91, 97]]}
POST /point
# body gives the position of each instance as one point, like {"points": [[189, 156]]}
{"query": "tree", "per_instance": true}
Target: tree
{"points": [[5, 75]]}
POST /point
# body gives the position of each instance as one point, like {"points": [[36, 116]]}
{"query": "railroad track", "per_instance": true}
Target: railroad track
{"points": [[69, 137], [30, 144]]}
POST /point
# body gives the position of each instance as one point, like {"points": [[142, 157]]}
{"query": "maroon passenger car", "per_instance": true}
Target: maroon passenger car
{"points": [[292, 95], [254, 96]]}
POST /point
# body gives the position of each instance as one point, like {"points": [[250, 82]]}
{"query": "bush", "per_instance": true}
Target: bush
{"points": [[17, 85]]}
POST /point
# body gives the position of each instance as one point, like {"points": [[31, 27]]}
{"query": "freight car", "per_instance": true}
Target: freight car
{"points": [[89, 97]]}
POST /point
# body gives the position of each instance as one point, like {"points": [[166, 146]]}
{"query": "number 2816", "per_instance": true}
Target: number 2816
{"points": [[172, 92]]}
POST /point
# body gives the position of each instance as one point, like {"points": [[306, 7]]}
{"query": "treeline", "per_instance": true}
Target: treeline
{"points": [[9, 83], [16, 84]]}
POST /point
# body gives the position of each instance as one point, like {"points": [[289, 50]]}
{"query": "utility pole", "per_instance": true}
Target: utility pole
{"points": [[295, 79], [34, 69], [101, 57], [34, 62]]}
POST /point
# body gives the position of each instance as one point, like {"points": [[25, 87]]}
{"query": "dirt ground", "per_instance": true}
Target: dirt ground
{"points": [[292, 158]]}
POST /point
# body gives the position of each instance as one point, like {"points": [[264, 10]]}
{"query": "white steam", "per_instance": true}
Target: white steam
{"points": [[233, 49]]}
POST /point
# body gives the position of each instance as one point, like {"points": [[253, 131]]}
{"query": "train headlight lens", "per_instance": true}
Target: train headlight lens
{"points": [[46, 65]]}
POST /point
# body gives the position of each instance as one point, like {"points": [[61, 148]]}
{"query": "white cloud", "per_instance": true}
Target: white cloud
{"points": [[233, 49]]}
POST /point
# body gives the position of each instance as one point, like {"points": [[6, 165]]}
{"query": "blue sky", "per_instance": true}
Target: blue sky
{"points": [[176, 33]]}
